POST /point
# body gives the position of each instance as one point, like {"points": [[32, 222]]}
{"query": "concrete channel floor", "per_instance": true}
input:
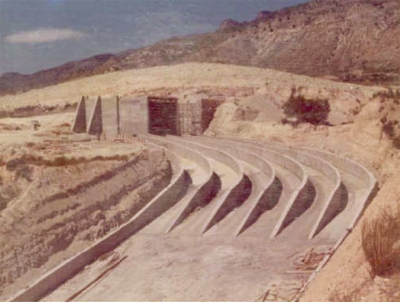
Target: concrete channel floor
{"points": [[186, 266]]}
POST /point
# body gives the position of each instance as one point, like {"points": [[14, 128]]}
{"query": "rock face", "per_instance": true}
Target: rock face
{"points": [[229, 25], [351, 40], [263, 14]]}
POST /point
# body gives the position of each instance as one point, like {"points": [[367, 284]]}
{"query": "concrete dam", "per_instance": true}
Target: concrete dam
{"points": [[240, 220]]}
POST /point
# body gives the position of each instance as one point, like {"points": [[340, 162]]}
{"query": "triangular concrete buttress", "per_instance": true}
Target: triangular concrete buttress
{"points": [[79, 125], [96, 120]]}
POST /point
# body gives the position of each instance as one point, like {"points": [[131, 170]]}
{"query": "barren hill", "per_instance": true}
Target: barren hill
{"points": [[351, 40]]}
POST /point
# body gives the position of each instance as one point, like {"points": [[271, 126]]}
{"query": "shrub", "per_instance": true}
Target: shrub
{"points": [[13, 164], [60, 161], [313, 111], [379, 239], [389, 127], [24, 172], [389, 93]]}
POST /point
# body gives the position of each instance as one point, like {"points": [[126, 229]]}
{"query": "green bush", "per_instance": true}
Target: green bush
{"points": [[305, 110]]}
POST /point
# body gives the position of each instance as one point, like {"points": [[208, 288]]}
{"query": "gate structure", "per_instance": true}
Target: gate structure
{"points": [[163, 115], [156, 115], [189, 119]]}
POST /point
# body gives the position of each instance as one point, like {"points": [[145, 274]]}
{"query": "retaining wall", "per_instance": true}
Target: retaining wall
{"points": [[244, 155], [265, 193], [164, 200], [134, 116], [371, 188], [215, 154], [354, 168], [182, 151], [301, 197], [205, 192], [232, 197], [337, 196], [349, 166], [110, 117]]}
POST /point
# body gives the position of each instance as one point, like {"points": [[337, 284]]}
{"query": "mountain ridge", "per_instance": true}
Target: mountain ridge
{"points": [[345, 40]]}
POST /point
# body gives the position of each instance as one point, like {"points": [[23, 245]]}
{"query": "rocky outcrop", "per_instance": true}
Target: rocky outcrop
{"points": [[229, 25]]}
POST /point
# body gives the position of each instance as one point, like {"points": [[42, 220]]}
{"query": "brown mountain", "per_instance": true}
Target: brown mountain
{"points": [[351, 40]]}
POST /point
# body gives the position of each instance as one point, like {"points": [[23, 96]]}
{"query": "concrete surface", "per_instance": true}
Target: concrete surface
{"points": [[236, 251]]}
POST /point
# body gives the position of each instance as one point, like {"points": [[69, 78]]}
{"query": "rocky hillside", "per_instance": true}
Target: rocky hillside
{"points": [[348, 40]]}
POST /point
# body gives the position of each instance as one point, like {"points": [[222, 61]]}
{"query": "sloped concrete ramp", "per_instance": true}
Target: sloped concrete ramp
{"points": [[247, 210]]}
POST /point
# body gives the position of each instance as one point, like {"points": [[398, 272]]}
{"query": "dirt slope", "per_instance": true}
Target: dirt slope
{"points": [[346, 277], [353, 40], [367, 140], [58, 196], [254, 88], [252, 110]]}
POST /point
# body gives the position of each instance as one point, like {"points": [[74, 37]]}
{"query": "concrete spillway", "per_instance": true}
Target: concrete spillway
{"points": [[234, 214]]}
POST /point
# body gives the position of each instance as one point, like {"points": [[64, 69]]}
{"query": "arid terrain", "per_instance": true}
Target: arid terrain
{"points": [[63, 193], [37, 188]]}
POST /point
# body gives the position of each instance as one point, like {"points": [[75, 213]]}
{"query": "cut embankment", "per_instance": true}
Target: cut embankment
{"points": [[154, 208]]}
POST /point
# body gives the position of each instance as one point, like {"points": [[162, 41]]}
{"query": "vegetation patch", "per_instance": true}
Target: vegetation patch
{"points": [[300, 109], [381, 242], [389, 108]]}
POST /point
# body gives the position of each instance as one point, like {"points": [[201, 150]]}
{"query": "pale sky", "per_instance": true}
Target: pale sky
{"points": [[40, 34]]}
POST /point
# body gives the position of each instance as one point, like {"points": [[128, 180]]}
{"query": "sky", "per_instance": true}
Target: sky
{"points": [[40, 34]]}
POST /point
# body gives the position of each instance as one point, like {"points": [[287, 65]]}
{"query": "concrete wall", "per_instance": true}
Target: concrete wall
{"points": [[241, 153], [265, 190], [232, 197], [205, 192], [134, 116], [163, 201], [280, 159], [220, 156], [351, 167], [130, 116], [110, 117], [339, 195], [182, 151], [300, 199], [336, 199], [347, 165], [267, 202], [354, 168]]}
